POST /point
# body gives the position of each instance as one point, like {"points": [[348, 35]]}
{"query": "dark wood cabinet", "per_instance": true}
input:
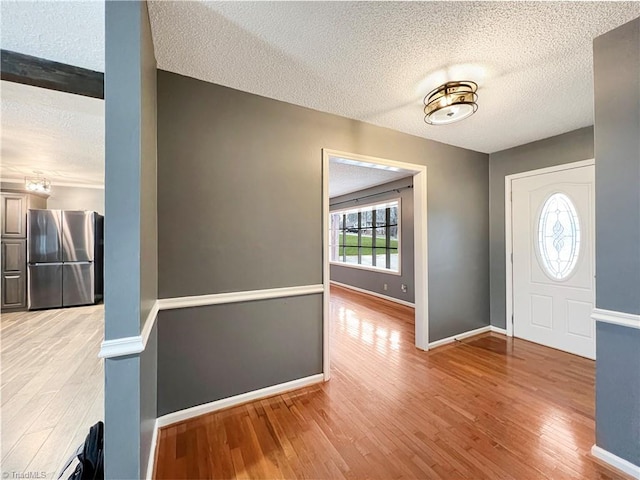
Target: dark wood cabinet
{"points": [[14, 274], [14, 255], [14, 287], [14, 215], [14, 206]]}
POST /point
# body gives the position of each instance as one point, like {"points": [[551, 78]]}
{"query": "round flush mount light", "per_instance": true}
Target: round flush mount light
{"points": [[450, 102]]}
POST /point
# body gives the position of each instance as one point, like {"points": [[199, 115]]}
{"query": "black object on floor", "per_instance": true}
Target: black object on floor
{"points": [[90, 456]]}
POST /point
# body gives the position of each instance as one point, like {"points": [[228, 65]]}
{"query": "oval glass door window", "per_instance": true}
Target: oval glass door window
{"points": [[558, 236]]}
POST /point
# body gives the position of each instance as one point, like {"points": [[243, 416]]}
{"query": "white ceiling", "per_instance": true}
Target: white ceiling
{"points": [[347, 177], [58, 133], [375, 61], [365, 60], [62, 31]]}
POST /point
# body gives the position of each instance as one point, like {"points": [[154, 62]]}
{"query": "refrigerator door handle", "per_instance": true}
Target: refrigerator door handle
{"points": [[45, 263]]}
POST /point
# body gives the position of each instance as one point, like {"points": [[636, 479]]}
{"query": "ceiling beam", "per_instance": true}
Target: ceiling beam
{"points": [[38, 72]]}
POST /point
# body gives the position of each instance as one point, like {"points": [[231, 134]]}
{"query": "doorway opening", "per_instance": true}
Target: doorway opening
{"points": [[52, 203], [364, 231]]}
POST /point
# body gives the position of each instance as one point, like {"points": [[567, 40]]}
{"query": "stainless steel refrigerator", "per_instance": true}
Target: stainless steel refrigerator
{"points": [[64, 254]]}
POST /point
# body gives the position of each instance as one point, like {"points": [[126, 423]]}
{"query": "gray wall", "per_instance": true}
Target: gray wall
{"points": [[130, 235], [618, 390], [566, 148], [371, 280], [122, 167], [76, 198], [219, 351], [148, 196], [240, 208], [11, 185], [122, 417], [69, 198], [148, 397], [617, 144], [617, 151]]}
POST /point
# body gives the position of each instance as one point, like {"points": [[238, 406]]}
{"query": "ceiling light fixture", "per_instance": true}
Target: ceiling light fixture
{"points": [[37, 184], [450, 102]]}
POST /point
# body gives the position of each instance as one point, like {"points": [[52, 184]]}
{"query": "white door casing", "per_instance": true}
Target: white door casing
{"points": [[419, 173], [552, 228]]}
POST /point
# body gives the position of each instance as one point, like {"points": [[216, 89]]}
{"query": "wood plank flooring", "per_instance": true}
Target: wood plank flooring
{"points": [[52, 387], [489, 407]]}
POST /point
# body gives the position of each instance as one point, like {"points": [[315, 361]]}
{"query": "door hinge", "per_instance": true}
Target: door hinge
{"points": [[511, 319], [511, 257]]}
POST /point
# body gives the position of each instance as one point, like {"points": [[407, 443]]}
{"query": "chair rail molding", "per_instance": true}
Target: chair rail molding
{"points": [[134, 345], [631, 320]]}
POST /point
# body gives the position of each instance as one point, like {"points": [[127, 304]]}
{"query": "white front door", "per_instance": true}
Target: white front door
{"points": [[553, 259]]}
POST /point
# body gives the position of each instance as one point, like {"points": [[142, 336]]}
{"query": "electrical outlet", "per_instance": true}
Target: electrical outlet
{"points": [[385, 287], [404, 288]]}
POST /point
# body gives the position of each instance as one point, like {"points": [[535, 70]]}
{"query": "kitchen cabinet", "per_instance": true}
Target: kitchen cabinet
{"points": [[13, 215], [14, 287], [14, 273], [14, 255]]}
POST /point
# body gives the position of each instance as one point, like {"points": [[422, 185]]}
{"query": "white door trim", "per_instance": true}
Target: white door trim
{"points": [[420, 245], [508, 227]]}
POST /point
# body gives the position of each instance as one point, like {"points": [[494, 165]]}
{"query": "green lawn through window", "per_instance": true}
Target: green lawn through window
{"points": [[366, 242]]}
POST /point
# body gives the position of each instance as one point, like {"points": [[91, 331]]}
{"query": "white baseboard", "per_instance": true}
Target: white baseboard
{"points": [[374, 294], [618, 318], [616, 462], [502, 331], [175, 417], [198, 410], [460, 336], [152, 454]]}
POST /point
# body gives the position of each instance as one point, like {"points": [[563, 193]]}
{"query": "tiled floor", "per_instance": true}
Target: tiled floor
{"points": [[52, 387]]}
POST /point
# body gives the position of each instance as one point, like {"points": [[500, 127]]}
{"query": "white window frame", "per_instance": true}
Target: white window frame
{"points": [[365, 207]]}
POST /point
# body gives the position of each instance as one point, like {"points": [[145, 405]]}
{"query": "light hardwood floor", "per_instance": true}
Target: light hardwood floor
{"points": [[52, 386], [488, 407]]}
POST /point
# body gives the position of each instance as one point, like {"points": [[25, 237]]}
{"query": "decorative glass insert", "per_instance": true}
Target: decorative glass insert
{"points": [[558, 236]]}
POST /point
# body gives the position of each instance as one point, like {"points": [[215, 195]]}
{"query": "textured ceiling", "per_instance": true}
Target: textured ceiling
{"points": [[375, 61], [347, 178], [57, 133], [66, 32]]}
